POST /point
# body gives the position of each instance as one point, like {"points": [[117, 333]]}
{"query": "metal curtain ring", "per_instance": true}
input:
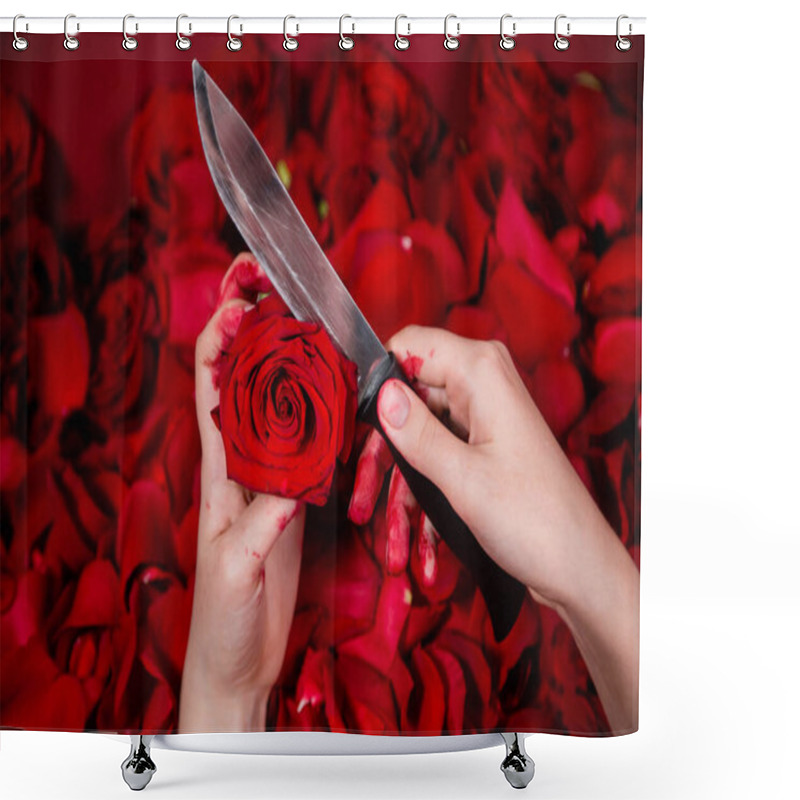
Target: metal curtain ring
{"points": [[182, 43], [70, 42], [345, 42], [19, 43], [233, 44], [400, 42], [289, 42], [561, 43], [129, 42], [623, 44], [451, 42], [507, 42]]}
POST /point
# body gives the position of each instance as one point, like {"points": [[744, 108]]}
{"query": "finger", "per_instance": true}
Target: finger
{"points": [[401, 513], [427, 543], [421, 439], [433, 356], [470, 371], [244, 279], [221, 498], [212, 343], [373, 464], [253, 534], [281, 573], [435, 398]]}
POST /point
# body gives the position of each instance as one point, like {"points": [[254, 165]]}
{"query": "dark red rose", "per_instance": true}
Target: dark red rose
{"points": [[127, 326], [170, 179], [375, 115], [287, 406], [186, 276], [57, 371], [37, 276], [518, 123], [21, 151], [302, 173], [600, 161]]}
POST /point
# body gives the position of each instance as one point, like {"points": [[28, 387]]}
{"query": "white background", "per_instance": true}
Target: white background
{"points": [[720, 624]]}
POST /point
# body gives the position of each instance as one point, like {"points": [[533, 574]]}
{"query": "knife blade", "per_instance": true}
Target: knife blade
{"points": [[282, 243]]}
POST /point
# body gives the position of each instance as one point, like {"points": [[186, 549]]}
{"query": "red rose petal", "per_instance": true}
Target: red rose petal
{"points": [[557, 388], [617, 350], [521, 239], [97, 597], [614, 286], [539, 324]]}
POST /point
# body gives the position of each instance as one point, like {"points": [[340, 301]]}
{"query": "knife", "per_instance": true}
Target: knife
{"points": [[287, 251]]}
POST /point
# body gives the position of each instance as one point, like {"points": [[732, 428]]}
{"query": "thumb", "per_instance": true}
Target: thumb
{"points": [[424, 442], [257, 529]]}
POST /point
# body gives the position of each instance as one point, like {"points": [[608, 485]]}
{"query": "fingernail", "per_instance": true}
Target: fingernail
{"points": [[393, 404]]}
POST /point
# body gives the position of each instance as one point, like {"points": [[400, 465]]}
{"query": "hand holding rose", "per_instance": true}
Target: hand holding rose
{"points": [[513, 486], [248, 556]]}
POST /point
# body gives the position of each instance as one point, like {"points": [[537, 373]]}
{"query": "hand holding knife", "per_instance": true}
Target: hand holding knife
{"points": [[279, 238]]}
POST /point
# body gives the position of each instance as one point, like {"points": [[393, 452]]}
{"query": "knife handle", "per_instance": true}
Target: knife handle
{"points": [[503, 594]]}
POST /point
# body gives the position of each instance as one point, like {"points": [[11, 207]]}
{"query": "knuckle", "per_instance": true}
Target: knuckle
{"points": [[501, 351], [396, 340], [492, 357]]}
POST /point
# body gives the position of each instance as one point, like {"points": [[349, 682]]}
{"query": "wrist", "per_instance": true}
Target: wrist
{"points": [[207, 707], [604, 577]]}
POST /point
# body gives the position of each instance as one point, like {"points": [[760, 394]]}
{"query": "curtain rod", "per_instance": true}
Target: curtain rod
{"points": [[407, 26]]}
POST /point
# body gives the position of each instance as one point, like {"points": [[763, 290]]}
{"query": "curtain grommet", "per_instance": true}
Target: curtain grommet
{"points": [[234, 43], [70, 42], [20, 43], [129, 42], [451, 42], [507, 42], [401, 42], [561, 43], [623, 44], [345, 42], [289, 42], [182, 42]]}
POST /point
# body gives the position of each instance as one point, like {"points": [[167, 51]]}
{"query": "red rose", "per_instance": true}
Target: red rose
{"points": [[518, 124], [169, 177], [600, 161], [287, 406], [127, 327], [22, 146]]}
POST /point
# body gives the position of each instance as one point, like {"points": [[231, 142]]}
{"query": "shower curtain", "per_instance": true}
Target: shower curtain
{"points": [[200, 531]]}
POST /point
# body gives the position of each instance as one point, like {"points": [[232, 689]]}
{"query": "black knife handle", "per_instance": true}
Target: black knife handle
{"points": [[503, 594]]}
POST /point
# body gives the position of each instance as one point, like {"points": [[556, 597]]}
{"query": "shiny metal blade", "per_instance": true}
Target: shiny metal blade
{"points": [[274, 230]]}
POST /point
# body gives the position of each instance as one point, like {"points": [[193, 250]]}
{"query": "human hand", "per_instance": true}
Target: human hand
{"points": [[248, 555], [403, 514], [509, 480]]}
